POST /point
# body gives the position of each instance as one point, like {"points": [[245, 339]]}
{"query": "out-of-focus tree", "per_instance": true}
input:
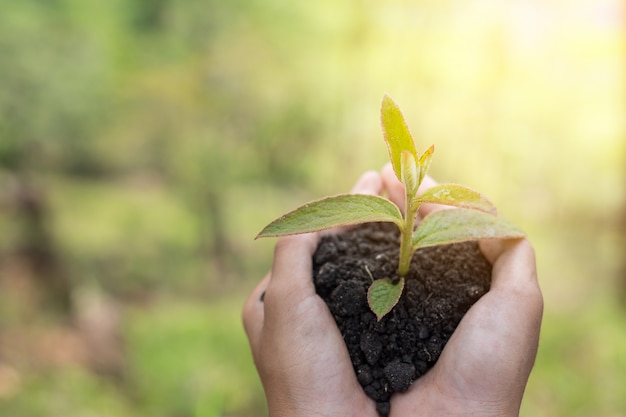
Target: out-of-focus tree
{"points": [[203, 97], [215, 106], [56, 89], [53, 101]]}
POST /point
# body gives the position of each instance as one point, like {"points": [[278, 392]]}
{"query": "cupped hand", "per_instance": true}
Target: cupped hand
{"points": [[305, 367], [484, 368], [298, 350]]}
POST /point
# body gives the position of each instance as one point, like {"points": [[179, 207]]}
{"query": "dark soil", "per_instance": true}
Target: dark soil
{"points": [[441, 286]]}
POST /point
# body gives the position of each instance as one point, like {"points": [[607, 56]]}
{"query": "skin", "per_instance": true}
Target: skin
{"points": [[304, 365]]}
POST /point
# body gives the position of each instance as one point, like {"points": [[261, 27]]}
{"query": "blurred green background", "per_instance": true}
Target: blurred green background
{"points": [[144, 143]]}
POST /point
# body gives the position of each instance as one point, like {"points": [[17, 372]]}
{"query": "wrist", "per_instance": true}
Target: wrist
{"points": [[289, 405], [432, 400]]}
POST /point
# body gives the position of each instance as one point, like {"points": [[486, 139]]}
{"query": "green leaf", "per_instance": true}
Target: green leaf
{"points": [[383, 295], [459, 225], [397, 135], [409, 172], [341, 210], [458, 196], [424, 161]]}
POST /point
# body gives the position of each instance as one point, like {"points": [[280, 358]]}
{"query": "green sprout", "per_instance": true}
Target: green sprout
{"points": [[474, 217]]}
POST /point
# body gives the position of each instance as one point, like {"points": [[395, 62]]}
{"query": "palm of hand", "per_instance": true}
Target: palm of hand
{"points": [[486, 363], [327, 372]]}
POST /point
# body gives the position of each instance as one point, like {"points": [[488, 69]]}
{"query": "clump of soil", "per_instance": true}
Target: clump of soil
{"points": [[443, 283]]}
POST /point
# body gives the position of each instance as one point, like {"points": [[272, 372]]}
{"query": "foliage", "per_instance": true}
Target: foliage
{"points": [[474, 221], [180, 363]]}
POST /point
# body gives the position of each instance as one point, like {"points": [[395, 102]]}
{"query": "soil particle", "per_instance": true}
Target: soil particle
{"points": [[371, 346], [443, 283], [400, 375], [383, 408], [350, 298]]}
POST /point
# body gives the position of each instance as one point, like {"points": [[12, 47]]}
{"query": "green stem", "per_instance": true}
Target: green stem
{"points": [[406, 243]]}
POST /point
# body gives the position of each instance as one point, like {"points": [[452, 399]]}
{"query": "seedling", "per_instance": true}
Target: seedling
{"points": [[474, 217]]}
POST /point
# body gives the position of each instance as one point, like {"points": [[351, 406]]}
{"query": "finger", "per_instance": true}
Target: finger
{"points": [[292, 260], [291, 277], [514, 265], [427, 182], [254, 314], [396, 193], [511, 311], [292, 267], [391, 183], [514, 288], [426, 209], [369, 183], [492, 249]]}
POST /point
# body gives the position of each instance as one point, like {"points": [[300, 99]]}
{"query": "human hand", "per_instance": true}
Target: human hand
{"points": [[484, 368], [305, 367], [298, 350]]}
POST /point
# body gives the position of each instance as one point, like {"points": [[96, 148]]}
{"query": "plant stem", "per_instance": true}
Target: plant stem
{"points": [[406, 242]]}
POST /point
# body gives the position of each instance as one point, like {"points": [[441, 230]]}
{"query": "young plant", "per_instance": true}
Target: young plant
{"points": [[473, 218]]}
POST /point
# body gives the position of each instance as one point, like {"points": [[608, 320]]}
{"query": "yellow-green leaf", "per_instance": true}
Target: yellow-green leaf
{"points": [[424, 162], [341, 210], [383, 295], [460, 225], [397, 135], [458, 196], [409, 172]]}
